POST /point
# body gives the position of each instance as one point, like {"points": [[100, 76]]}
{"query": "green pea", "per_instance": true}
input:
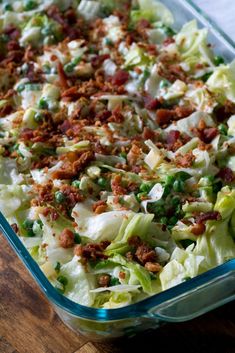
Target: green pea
{"points": [[46, 69], [77, 238], [8, 7], [63, 280], [38, 117], [59, 197], [69, 67], [169, 31], [218, 60], [43, 104], [178, 186], [30, 5], [28, 226], [57, 266], [223, 129], [76, 184], [164, 84], [102, 182], [114, 281], [167, 190], [183, 176], [20, 87]]}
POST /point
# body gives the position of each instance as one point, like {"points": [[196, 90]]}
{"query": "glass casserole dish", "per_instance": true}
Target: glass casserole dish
{"points": [[180, 303]]}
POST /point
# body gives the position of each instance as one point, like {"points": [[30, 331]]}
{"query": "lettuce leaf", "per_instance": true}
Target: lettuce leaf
{"points": [[222, 82], [152, 11], [79, 284]]}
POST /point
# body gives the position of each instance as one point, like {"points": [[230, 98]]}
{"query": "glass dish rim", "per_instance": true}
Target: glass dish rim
{"points": [[143, 307]]}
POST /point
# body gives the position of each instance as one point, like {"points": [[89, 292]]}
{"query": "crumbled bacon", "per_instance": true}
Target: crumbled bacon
{"points": [[83, 161], [15, 227], [164, 116], [145, 254], [62, 76], [5, 110], [98, 60], [198, 229], [120, 78], [186, 160], [172, 138], [51, 212], [151, 103], [92, 251], [148, 134], [153, 267], [66, 239], [116, 186], [134, 154], [104, 280], [211, 215], [226, 174], [99, 207]]}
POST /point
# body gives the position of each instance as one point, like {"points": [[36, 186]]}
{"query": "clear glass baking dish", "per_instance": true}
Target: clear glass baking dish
{"points": [[181, 303]]}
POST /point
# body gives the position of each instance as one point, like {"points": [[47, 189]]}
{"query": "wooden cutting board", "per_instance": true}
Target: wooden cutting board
{"points": [[28, 323]]}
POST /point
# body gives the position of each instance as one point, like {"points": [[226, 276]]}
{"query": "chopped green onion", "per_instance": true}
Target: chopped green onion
{"points": [[108, 42], [205, 77], [183, 176], [164, 220], [46, 69], [164, 84], [69, 67], [59, 197], [170, 180], [140, 196], [123, 154]]}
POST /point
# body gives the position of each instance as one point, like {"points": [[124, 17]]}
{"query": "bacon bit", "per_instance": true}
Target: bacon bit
{"points": [[98, 60], [52, 212], [186, 160], [13, 45], [226, 174], [29, 54], [103, 116], [145, 254], [45, 193], [120, 78], [164, 116], [27, 134], [153, 267], [92, 251], [83, 161], [151, 103], [104, 280], [198, 229], [66, 239], [65, 126], [15, 227], [133, 155], [144, 23], [71, 92], [148, 134], [12, 31], [168, 40], [122, 275], [116, 187], [212, 215], [5, 110], [72, 195], [172, 138], [117, 116], [209, 134], [129, 256], [224, 112], [62, 76], [99, 207], [183, 111]]}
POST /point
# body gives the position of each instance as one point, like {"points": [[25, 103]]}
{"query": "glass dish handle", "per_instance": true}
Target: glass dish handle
{"points": [[195, 302]]}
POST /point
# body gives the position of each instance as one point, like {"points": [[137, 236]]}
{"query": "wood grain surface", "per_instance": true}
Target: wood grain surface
{"points": [[28, 323]]}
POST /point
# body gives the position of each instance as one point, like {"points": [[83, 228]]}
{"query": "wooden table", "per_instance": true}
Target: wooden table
{"points": [[28, 323]]}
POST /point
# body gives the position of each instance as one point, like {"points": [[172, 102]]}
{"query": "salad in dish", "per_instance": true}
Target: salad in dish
{"points": [[117, 146]]}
